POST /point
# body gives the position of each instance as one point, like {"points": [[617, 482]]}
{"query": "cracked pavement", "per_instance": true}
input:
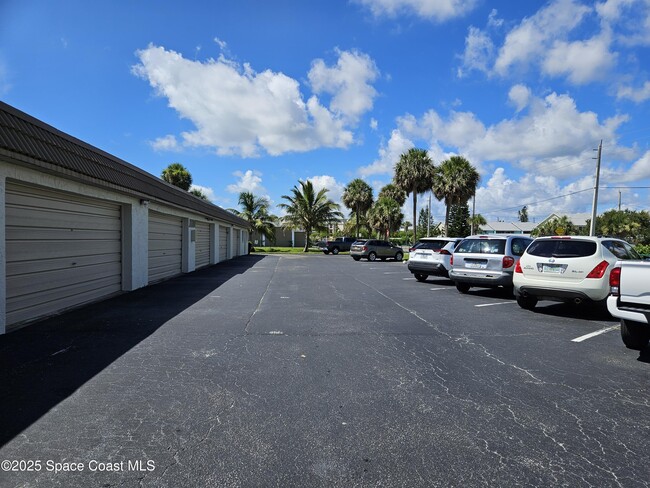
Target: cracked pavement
{"points": [[320, 371]]}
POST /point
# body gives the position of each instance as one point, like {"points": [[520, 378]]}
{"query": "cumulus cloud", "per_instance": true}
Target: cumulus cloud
{"points": [[435, 10], [236, 110], [348, 82], [580, 61], [335, 188], [165, 143], [635, 94], [250, 181], [519, 96], [478, 54], [388, 155], [207, 191]]}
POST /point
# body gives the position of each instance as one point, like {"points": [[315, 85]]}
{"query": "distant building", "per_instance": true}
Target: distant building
{"points": [[579, 220], [283, 238]]}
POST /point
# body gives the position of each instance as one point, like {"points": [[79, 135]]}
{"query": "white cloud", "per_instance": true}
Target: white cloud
{"points": [[581, 61], [349, 83], [335, 188], [165, 143], [534, 35], [479, 52], [388, 155], [436, 10], [635, 94], [374, 124], [250, 181], [519, 95], [237, 110]]}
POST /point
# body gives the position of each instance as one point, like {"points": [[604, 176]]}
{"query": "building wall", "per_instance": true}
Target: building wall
{"points": [[135, 220]]}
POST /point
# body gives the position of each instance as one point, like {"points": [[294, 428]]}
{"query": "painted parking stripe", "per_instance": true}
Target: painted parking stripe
{"points": [[492, 304], [438, 289], [594, 334], [408, 279]]}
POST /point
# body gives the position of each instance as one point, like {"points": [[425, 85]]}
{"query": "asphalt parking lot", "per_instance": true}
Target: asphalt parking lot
{"points": [[320, 371]]}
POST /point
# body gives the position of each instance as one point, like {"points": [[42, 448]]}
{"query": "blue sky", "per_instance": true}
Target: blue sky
{"points": [[256, 95]]}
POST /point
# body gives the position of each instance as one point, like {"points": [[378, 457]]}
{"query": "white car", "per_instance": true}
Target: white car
{"points": [[431, 256], [568, 269]]}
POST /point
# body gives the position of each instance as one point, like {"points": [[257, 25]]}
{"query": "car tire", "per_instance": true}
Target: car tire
{"points": [[635, 335], [399, 256], [462, 287], [527, 303], [372, 256], [356, 258], [335, 251], [421, 277]]}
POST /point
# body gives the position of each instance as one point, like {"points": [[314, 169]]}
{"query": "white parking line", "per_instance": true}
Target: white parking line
{"points": [[492, 304], [594, 334], [408, 279], [437, 289]]}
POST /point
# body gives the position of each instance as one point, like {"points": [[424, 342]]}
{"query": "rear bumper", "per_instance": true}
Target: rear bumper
{"points": [[420, 267], [484, 279], [627, 312], [557, 295]]}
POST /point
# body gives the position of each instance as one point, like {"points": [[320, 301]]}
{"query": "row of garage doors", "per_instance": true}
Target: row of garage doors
{"points": [[64, 250]]}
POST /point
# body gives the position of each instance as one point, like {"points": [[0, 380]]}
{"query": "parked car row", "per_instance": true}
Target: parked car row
{"points": [[572, 269]]}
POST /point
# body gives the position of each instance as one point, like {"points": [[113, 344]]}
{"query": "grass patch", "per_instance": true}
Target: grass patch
{"points": [[284, 250]]}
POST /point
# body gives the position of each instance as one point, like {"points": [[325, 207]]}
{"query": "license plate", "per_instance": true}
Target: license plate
{"points": [[552, 268], [475, 265]]}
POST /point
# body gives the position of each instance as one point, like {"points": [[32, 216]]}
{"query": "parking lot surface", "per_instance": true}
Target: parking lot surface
{"points": [[317, 370]]}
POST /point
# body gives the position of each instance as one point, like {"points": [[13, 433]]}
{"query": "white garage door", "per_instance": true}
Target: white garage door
{"points": [[165, 246], [63, 250], [202, 248], [223, 243], [237, 249]]}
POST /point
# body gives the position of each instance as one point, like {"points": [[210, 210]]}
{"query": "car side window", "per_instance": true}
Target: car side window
{"points": [[519, 246], [617, 249]]}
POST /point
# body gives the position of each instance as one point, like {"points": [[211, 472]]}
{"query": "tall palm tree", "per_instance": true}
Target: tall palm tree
{"points": [[177, 175], [476, 222], [357, 196], [391, 191], [455, 182], [256, 211], [309, 210], [414, 173], [386, 216]]}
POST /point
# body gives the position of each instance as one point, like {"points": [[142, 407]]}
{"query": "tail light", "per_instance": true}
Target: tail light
{"points": [[615, 281], [412, 248], [365, 248], [451, 260], [508, 261], [518, 267], [599, 271], [444, 252]]}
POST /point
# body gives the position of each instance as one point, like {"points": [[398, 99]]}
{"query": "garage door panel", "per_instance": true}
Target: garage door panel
{"points": [[202, 250], [165, 246], [223, 243], [67, 277], [25, 250], [23, 308], [62, 250]]}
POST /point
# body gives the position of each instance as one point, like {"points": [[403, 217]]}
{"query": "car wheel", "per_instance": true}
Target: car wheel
{"points": [[421, 277], [635, 335], [372, 256], [335, 251], [356, 258], [527, 303], [462, 287], [399, 256], [326, 252]]}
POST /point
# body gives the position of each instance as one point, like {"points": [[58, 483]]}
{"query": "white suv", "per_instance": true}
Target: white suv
{"points": [[431, 256], [568, 269]]}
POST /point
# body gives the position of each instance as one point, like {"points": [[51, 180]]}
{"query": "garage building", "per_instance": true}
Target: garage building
{"points": [[80, 225]]}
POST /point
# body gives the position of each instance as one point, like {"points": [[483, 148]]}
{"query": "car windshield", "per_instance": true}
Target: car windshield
{"points": [[562, 248], [482, 246]]}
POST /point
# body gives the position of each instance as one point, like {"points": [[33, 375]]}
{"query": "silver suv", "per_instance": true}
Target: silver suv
{"points": [[487, 260]]}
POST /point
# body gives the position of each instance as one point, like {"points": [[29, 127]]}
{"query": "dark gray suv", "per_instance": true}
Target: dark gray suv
{"points": [[376, 248]]}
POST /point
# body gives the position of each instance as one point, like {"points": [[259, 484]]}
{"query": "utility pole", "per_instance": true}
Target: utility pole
{"points": [[594, 209], [619, 200], [473, 212], [429, 218]]}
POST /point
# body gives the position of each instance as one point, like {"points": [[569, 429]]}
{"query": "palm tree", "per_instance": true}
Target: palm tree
{"points": [[386, 216], [197, 192], [455, 182], [476, 222], [553, 227], [391, 191], [357, 196], [256, 211], [177, 175], [309, 210], [414, 173]]}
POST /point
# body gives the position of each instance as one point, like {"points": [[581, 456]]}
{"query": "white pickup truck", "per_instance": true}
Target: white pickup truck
{"points": [[629, 301]]}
